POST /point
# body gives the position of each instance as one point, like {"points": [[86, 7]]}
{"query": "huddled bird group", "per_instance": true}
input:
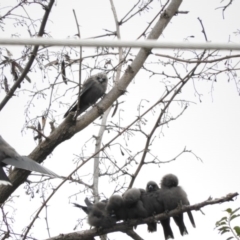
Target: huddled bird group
{"points": [[141, 203]]}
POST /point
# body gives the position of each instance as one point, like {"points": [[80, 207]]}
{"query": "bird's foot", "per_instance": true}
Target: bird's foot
{"points": [[100, 110]]}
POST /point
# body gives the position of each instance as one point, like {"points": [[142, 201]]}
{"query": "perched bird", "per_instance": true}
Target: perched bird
{"points": [[173, 196], [97, 214], [93, 89], [154, 205], [151, 187], [132, 200], [9, 156], [116, 208]]}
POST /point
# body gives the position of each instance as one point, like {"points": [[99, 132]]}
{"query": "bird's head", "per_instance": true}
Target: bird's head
{"points": [[101, 78], [169, 181], [151, 186]]}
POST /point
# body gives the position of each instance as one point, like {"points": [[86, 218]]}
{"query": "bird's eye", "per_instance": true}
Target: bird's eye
{"points": [[101, 79]]}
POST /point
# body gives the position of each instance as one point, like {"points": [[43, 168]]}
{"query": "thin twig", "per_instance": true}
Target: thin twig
{"points": [[80, 67], [31, 59]]}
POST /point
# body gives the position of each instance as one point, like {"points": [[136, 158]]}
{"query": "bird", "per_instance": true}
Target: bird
{"points": [[154, 205], [151, 186], [173, 195], [9, 156], [132, 200], [93, 89], [116, 208], [97, 215]]}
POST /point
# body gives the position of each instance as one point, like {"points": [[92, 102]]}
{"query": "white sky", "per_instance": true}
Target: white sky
{"points": [[211, 128]]}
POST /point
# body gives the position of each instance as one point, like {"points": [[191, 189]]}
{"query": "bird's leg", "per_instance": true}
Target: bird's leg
{"points": [[99, 230]]}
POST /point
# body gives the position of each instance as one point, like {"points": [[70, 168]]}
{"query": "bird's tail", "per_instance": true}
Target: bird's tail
{"points": [[26, 163], [180, 223], [84, 208], [167, 228], [191, 218], [72, 108], [152, 227]]}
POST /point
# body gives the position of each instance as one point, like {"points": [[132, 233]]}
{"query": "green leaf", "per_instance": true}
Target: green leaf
{"points": [[229, 238], [236, 210], [237, 230], [223, 228], [229, 210], [225, 231], [234, 216], [222, 232], [219, 224], [224, 219]]}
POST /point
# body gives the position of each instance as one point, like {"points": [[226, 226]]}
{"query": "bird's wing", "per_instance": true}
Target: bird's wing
{"points": [[3, 177], [84, 208], [6, 150], [26, 163], [86, 86]]}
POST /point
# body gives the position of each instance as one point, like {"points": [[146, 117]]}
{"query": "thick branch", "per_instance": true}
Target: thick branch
{"points": [[124, 227]]}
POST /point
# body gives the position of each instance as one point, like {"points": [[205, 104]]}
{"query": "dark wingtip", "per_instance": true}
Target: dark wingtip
{"points": [[84, 208], [191, 218]]}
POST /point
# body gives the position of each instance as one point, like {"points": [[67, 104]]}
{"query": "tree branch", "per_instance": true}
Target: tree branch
{"points": [[124, 227], [31, 59]]}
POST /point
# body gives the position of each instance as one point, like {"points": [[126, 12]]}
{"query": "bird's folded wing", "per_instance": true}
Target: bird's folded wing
{"points": [[86, 86], [26, 163]]}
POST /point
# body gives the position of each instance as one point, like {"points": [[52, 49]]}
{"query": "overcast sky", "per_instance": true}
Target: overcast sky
{"points": [[209, 128]]}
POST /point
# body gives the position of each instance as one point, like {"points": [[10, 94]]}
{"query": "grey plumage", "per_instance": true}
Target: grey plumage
{"points": [[142, 204], [128, 206], [97, 214], [151, 186], [9, 156], [93, 89], [173, 196], [116, 208], [169, 180], [154, 205], [132, 200]]}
